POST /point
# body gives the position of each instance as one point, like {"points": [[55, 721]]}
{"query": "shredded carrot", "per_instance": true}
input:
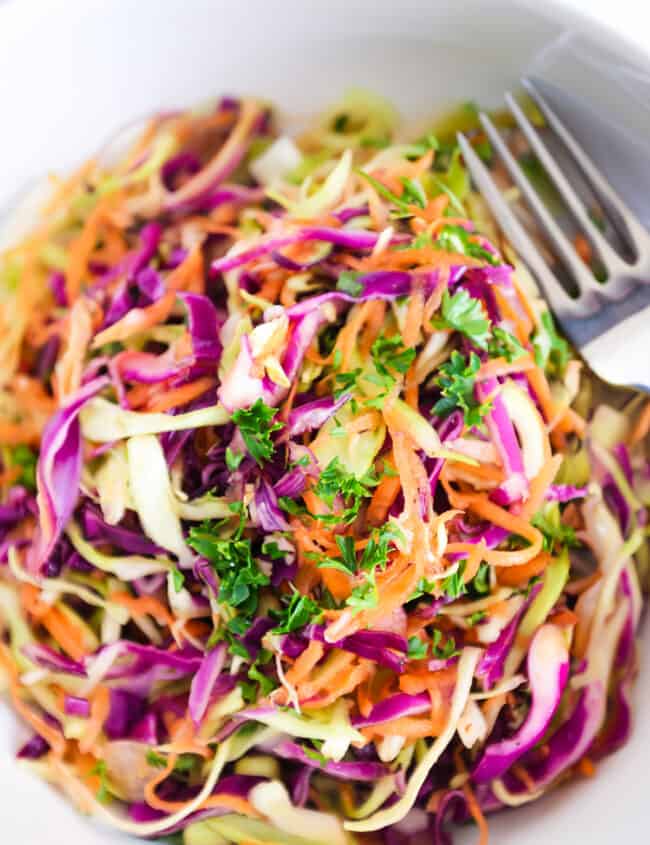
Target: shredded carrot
{"points": [[50, 734], [137, 320], [586, 767], [522, 775], [181, 395], [477, 814], [68, 635], [564, 618], [383, 497], [539, 485], [514, 576], [305, 662], [100, 706], [144, 605], [483, 507]]}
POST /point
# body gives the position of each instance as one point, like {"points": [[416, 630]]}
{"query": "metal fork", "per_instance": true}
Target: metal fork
{"points": [[608, 322]]}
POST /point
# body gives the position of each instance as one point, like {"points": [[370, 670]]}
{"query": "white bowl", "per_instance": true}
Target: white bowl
{"points": [[73, 72]]}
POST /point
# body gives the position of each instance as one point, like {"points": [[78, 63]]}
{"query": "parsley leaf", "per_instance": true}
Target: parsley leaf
{"points": [[453, 585], [366, 595], [233, 459], [417, 649], [25, 458], [504, 345], [346, 382], [443, 651], [457, 239], [99, 769], [298, 613], [400, 202], [556, 534], [475, 618], [480, 584], [456, 383], [178, 579], [240, 578], [551, 350], [156, 760], [388, 353], [335, 480], [256, 426], [347, 282], [465, 314], [347, 562]]}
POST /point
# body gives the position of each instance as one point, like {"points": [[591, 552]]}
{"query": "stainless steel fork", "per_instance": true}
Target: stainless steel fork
{"points": [[608, 322]]}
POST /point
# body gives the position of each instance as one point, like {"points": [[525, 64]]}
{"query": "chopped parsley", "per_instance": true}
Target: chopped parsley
{"points": [[346, 382], [157, 761], [457, 239], [453, 585], [240, 578], [347, 282], [475, 618], [256, 426], [335, 481], [556, 534], [504, 345], [233, 459], [178, 579], [480, 584], [389, 353], [417, 649], [465, 314], [551, 350], [99, 769], [365, 596], [443, 651], [25, 458], [299, 612], [456, 383]]}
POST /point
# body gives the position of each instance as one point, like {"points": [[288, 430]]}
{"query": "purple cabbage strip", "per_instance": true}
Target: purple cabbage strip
{"points": [[300, 787], [548, 672], [378, 646], [503, 436], [96, 530], [204, 681], [314, 414], [491, 665], [183, 162], [146, 730], [34, 748], [572, 739], [18, 505], [57, 286], [126, 709], [347, 238], [394, 707], [204, 326], [565, 492], [73, 705], [59, 471], [48, 658], [358, 771], [269, 515]]}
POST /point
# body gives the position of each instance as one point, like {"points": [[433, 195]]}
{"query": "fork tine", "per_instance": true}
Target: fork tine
{"points": [[558, 298], [612, 261], [580, 272], [612, 200]]}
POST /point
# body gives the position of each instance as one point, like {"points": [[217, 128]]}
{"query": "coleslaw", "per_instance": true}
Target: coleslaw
{"points": [[313, 528]]}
